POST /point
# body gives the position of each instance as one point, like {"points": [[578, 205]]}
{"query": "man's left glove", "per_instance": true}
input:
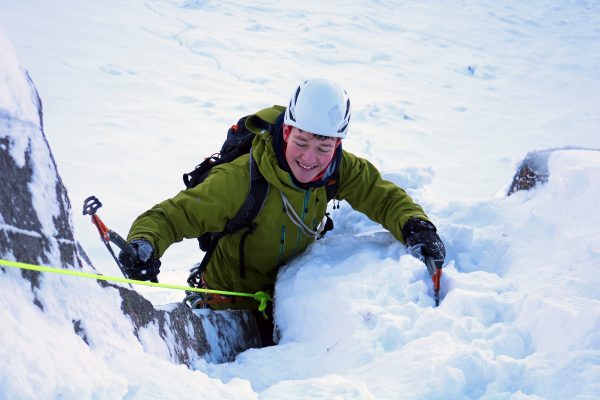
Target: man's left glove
{"points": [[423, 241], [143, 266]]}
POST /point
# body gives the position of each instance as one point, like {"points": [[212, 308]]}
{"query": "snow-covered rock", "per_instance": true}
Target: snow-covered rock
{"points": [[533, 170], [98, 323]]}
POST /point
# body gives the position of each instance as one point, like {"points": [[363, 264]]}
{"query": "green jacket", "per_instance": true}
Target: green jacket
{"points": [[208, 206]]}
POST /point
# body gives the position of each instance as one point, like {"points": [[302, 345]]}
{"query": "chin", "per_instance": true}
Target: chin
{"points": [[303, 177]]}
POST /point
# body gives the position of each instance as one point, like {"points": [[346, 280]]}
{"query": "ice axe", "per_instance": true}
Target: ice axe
{"points": [[436, 277], [90, 206]]}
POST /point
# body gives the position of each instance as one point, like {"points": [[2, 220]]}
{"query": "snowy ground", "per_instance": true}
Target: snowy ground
{"points": [[447, 97]]}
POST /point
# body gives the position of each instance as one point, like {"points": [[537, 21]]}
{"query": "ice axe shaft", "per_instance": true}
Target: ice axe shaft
{"points": [[90, 206], [436, 277]]}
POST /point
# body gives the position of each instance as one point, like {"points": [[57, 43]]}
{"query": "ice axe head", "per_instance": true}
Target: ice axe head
{"points": [[91, 205]]}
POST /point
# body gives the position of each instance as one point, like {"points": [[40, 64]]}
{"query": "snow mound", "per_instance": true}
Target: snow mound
{"points": [[519, 316]]}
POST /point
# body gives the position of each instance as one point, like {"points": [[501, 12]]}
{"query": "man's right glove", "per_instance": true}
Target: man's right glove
{"points": [[142, 266], [423, 241]]}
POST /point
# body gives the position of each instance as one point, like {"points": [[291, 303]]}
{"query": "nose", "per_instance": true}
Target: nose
{"points": [[309, 156]]}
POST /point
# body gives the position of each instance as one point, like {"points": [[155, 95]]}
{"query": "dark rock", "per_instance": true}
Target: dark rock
{"points": [[77, 327], [533, 171], [36, 227], [184, 330]]}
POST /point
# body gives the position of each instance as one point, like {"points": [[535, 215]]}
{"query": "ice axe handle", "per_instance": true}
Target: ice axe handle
{"points": [[430, 266], [122, 243], [436, 277]]}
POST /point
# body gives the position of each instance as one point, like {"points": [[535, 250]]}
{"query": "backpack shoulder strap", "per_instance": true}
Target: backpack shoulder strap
{"points": [[259, 188]]}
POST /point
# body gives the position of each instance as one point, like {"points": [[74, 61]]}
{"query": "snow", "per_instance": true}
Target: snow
{"points": [[22, 108], [19, 115], [447, 99]]}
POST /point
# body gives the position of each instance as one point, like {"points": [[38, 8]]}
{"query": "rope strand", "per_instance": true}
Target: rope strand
{"points": [[261, 297], [296, 220]]}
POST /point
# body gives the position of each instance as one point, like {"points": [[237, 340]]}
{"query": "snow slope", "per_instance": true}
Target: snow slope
{"points": [[448, 97]]}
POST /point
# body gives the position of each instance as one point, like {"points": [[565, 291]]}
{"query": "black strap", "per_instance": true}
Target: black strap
{"points": [[194, 278], [242, 255], [259, 188]]}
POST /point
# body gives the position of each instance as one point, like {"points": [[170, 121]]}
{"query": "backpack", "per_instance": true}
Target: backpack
{"points": [[239, 142]]}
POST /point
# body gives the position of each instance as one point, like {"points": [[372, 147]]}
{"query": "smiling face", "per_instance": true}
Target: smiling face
{"points": [[307, 154]]}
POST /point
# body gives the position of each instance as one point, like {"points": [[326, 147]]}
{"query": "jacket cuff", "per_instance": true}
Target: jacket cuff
{"points": [[414, 225]]}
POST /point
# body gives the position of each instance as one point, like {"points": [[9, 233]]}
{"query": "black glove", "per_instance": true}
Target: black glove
{"points": [[423, 241], [142, 266]]}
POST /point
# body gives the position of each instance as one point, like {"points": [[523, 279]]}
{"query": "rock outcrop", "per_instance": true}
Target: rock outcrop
{"points": [[533, 170], [36, 228]]}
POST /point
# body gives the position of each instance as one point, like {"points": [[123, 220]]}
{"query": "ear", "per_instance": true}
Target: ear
{"points": [[287, 129]]}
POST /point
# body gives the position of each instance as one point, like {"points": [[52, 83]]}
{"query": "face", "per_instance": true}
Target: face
{"points": [[307, 154]]}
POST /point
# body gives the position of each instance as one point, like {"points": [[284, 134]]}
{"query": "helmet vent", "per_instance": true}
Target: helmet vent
{"points": [[347, 108], [290, 112], [335, 115], [343, 128], [297, 94]]}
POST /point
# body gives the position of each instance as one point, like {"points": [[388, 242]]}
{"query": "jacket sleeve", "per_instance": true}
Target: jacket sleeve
{"points": [[382, 201], [193, 212]]}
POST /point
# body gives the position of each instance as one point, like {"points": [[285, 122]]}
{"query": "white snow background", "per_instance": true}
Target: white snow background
{"points": [[447, 98]]}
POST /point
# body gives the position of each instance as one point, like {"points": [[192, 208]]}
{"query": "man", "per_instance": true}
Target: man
{"points": [[298, 150]]}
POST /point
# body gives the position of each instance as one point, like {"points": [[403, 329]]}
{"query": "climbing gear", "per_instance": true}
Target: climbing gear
{"points": [[209, 300], [436, 277], [321, 107], [261, 297], [325, 225], [423, 242], [90, 206]]}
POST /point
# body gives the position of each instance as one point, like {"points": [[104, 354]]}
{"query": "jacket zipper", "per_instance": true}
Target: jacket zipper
{"points": [[281, 245], [304, 207]]}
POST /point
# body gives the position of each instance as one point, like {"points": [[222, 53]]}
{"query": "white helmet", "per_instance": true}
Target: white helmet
{"points": [[319, 106]]}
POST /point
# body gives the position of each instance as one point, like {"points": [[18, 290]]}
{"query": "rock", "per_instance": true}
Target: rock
{"points": [[36, 227], [533, 171], [184, 329]]}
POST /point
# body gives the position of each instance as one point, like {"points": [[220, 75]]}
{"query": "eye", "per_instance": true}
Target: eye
{"points": [[325, 149]]}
